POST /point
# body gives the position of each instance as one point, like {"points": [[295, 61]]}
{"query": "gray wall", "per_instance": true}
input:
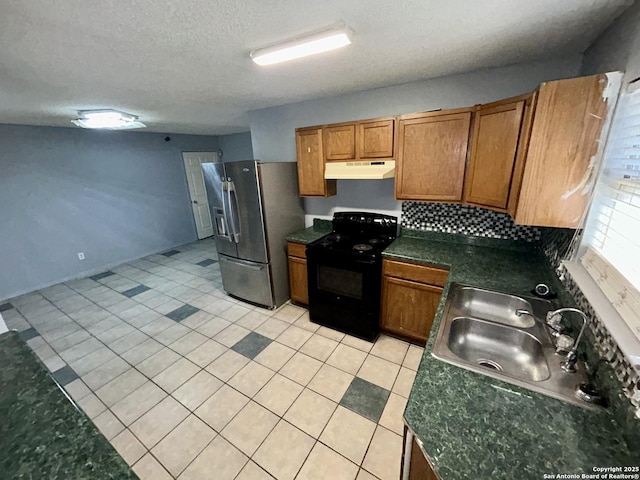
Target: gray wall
{"points": [[236, 146], [113, 195], [272, 129], [617, 48]]}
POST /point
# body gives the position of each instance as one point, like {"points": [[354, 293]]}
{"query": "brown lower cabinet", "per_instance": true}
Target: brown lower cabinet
{"points": [[410, 297], [298, 286], [419, 467]]}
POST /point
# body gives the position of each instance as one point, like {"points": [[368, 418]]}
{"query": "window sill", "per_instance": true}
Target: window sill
{"points": [[618, 329]]}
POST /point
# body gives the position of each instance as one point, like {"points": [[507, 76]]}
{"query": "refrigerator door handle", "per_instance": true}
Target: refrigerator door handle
{"points": [[233, 211], [221, 227], [226, 233]]}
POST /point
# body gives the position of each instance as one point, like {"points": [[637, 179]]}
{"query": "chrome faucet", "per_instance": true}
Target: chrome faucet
{"points": [[554, 320]]}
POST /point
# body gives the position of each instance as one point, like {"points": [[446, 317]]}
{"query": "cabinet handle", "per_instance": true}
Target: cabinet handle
{"points": [[308, 149]]}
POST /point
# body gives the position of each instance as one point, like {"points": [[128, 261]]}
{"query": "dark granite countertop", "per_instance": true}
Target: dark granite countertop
{"points": [[42, 434], [474, 426], [307, 235]]}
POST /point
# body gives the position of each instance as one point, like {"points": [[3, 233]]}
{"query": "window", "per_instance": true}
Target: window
{"points": [[611, 246]]}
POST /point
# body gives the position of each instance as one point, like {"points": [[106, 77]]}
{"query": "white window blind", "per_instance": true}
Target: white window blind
{"points": [[612, 256]]}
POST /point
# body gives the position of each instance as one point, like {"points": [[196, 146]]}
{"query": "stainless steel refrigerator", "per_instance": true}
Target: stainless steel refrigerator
{"points": [[254, 205]]}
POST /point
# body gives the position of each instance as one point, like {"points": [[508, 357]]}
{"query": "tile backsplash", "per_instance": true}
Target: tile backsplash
{"points": [[466, 220], [555, 244], [606, 345]]}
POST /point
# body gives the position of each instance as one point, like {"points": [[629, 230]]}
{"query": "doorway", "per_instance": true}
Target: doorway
{"points": [[193, 167]]}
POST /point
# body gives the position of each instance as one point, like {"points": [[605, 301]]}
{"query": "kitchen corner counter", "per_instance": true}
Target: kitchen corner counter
{"points": [[42, 434], [310, 234], [474, 426]]}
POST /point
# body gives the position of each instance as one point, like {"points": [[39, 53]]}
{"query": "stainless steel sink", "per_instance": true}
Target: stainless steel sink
{"points": [[480, 331], [493, 306], [497, 347]]}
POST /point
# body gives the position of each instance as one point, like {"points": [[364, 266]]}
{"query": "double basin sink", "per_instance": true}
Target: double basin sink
{"points": [[481, 331]]}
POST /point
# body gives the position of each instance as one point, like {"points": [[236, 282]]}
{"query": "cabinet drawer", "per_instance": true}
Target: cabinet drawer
{"points": [[297, 249], [417, 273]]}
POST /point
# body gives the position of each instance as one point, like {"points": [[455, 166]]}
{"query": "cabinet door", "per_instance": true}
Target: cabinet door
{"points": [[311, 182], [298, 280], [432, 155], [419, 468], [340, 142], [494, 148], [376, 139], [566, 131], [408, 308]]}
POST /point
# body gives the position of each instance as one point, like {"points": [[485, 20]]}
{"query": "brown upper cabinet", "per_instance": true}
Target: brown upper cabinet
{"points": [[364, 140], [311, 161], [432, 155], [376, 139], [567, 127], [498, 147], [340, 142], [531, 156]]}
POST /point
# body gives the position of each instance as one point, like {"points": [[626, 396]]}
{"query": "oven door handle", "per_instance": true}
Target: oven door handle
{"points": [[337, 260]]}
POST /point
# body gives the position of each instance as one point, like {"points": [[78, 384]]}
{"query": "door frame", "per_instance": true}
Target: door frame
{"points": [[184, 155]]}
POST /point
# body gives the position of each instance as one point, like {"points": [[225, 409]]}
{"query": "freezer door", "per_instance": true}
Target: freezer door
{"points": [[249, 281], [214, 180], [246, 213]]}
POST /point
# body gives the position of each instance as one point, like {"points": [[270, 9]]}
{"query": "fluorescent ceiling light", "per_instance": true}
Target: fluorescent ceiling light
{"points": [[111, 119], [302, 46]]}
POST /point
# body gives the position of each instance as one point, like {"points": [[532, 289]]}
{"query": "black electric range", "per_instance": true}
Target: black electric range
{"points": [[344, 271]]}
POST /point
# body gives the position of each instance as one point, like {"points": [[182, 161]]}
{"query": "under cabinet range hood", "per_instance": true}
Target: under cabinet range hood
{"points": [[374, 170]]}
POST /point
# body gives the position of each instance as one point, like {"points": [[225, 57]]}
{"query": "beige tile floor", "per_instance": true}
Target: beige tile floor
{"points": [[188, 383]]}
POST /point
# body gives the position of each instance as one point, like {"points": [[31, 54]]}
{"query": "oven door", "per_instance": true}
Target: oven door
{"points": [[344, 291]]}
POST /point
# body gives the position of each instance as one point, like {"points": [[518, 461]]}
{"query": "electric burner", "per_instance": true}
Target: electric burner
{"points": [[337, 237], [362, 247], [376, 241]]}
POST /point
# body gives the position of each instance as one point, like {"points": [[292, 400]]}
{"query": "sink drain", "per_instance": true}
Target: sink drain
{"points": [[483, 362]]}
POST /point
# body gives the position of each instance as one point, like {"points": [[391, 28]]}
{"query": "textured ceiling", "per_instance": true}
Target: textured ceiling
{"points": [[183, 65]]}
